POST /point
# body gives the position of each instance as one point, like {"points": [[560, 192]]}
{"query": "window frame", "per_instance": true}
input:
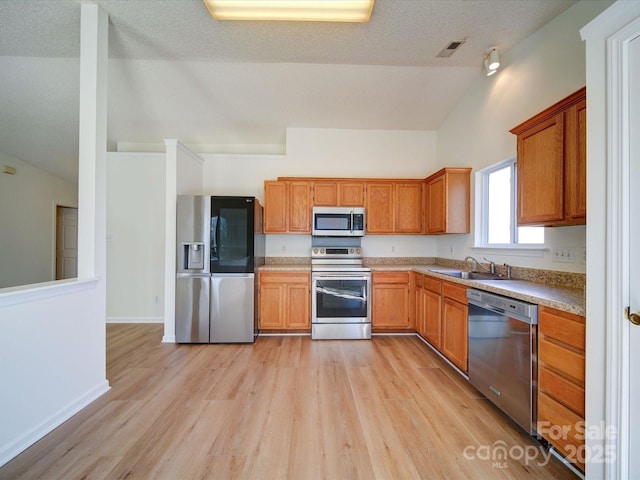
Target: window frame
{"points": [[482, 213]]}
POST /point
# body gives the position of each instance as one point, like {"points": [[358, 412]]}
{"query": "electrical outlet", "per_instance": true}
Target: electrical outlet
{"points": [[156, 299], [583, 255], [109, 237], [451, 248], [564, 254], [284, 247], [393, 248]]}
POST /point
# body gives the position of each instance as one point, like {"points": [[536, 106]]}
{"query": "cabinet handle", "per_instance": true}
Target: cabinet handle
{"points": [[632, 317]]}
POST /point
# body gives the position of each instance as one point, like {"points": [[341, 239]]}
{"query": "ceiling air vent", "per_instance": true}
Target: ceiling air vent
{"points": [[447, 51]]}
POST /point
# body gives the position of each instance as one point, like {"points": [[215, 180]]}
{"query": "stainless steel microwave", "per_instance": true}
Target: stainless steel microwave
{"points": [[338, 221]]}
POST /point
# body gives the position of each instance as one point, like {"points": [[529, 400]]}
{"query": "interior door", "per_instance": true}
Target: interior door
{"points": [[66, 242], [634, 254]]}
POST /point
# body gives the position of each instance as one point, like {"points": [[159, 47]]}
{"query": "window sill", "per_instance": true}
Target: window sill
{"points": [[516, 250]]}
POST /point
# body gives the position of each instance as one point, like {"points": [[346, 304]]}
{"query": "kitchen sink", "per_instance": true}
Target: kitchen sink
{"points": [[469, 275]]}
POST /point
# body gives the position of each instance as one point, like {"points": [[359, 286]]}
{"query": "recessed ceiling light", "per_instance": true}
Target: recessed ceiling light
{"points": [[292, 10]]}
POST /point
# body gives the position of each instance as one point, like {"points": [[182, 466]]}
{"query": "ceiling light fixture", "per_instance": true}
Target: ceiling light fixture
{"points": [[491, 61], [292, 10]]}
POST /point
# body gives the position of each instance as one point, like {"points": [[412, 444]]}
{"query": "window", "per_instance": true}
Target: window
{"points": [[496, 224]]}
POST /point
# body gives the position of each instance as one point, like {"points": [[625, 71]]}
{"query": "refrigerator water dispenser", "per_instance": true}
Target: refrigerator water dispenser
{"points": [[193, 256]]}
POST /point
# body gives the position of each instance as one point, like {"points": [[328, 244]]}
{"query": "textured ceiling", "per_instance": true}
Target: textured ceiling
{"points": [[177, 73]]}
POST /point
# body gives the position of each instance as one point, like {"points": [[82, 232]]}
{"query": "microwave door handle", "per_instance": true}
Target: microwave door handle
{"points": [[351, 223]]}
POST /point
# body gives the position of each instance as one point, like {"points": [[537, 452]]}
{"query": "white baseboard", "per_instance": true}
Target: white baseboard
{"points": [[169, 339], [14, 448], [135, 320]]}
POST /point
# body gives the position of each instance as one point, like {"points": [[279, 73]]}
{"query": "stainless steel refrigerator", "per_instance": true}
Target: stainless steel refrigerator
{"points": [[220, 245]]}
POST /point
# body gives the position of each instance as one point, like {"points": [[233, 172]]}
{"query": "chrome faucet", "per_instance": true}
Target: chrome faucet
{"points": [[492, 265], [476, 263]]}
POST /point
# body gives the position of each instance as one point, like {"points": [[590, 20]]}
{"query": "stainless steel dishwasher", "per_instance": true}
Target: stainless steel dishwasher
{"points": [[503, 351]]}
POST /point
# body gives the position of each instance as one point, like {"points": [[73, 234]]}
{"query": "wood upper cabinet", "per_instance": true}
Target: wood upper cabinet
{"points": [[454, 324], [408, 207], [576, 163], [552, 164], [338, 193], [561, 380], [287, 206], [394, 207], [446, 201], [351, 194], [380, 208], [284, 300], [325, 194], [390, 292]]}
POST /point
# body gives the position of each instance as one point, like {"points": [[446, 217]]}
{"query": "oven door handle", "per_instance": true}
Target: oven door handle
{"points": [[334, 276], [337, 293]]}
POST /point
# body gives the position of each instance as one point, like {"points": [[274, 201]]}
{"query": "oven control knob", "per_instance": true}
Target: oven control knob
{"points": [[322, 251], [351, 251], [315, 251], [358, 251]]}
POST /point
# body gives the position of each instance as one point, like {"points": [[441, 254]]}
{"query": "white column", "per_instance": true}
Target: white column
{"points": [[94, 35], [170, 241]]}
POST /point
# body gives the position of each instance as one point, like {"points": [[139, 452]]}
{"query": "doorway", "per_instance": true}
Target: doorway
{"points": [[66, 242]]}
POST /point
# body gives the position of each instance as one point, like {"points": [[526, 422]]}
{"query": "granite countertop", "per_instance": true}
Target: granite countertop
{"points": [[567, 299]]}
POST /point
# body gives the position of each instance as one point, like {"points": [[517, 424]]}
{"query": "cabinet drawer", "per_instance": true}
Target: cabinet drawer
{"points": [[390, 277], [433, 284], [552, 415], [562, 390], [563, 327], [561, 359], [454, 292], [285, 277]]}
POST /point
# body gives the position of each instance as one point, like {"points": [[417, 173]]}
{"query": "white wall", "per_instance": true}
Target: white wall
{"points": [[53, 346], [136, 240], [28, 202], [314, 152], [537, 72]]}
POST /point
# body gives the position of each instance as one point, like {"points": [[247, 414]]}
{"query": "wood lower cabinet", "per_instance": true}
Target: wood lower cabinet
{"points": [[287, 206], [446, 201], [390, 301], [432, 311], [552, 164], [454, 324], [561, 377], [284, 300]]}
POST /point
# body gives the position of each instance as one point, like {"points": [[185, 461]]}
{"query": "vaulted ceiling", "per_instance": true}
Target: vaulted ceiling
{"points": [[174, 72]]}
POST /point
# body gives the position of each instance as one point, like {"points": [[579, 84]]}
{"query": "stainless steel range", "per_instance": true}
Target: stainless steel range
{"points": [[341, 294]]}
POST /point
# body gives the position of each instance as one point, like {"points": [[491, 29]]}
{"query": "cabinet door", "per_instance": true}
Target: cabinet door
{"points": [[275, 207], [298, 305], [325, 194], [272, 302], [437, 205], [299, 207], [390, 306], [432, 312], [380, 208], [418, 303], [351, 194], [408, 208], [454, 332], [576, 163], [541, 172]]}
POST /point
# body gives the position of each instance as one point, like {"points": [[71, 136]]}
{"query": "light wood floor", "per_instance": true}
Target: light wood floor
{"points": [[283, 408]]}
